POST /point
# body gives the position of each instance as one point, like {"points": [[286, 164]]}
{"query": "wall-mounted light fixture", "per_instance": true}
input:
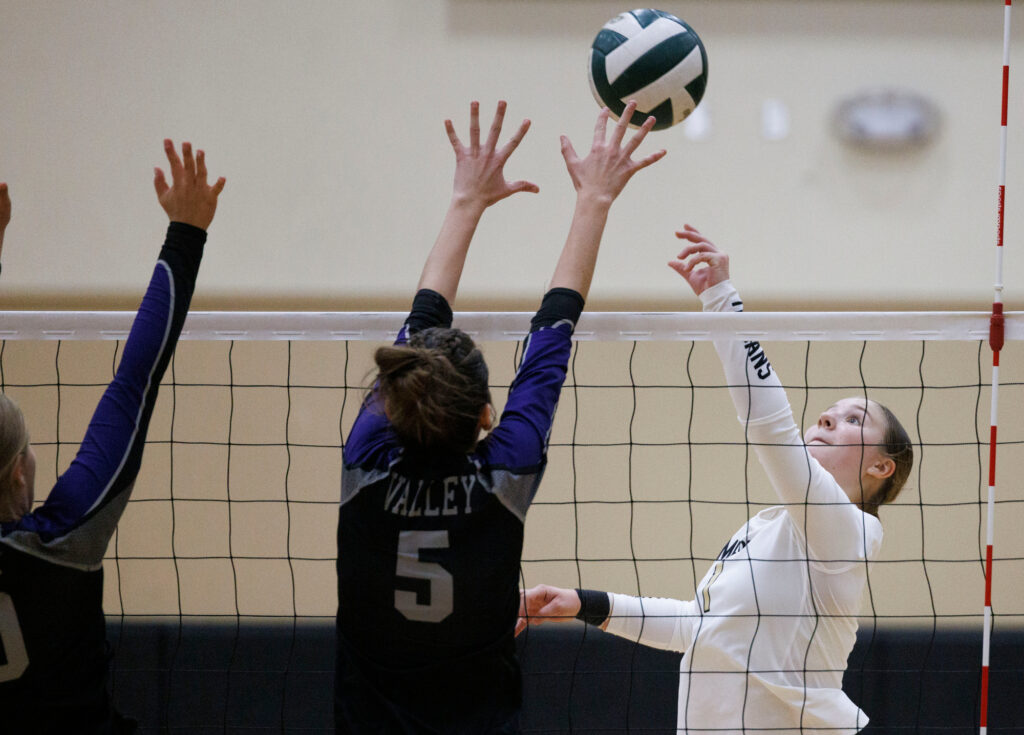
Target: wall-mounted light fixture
{"points": [[885, 119]]}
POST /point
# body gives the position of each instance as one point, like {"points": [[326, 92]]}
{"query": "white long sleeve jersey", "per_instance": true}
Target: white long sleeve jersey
{"points": [[767, 637]]}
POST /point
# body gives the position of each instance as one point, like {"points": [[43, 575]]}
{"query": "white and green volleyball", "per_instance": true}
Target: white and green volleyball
{"points": [[652, 57]]}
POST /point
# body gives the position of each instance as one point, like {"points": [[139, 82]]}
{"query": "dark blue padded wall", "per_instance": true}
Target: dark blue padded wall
{"points": [[256, 677]]}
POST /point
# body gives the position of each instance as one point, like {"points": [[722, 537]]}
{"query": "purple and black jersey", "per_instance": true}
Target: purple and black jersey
{"points": [[54, 656], [429, 551]]}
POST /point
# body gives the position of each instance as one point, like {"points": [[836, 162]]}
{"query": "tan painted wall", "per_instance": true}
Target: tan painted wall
{"points": [[326, 118]]}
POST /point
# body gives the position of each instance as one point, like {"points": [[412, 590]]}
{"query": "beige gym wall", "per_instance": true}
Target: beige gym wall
{"points": [[326, 118]]}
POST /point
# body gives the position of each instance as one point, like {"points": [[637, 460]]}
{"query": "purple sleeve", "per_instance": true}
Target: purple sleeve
{"points": [[79, 516], [520, 441]]}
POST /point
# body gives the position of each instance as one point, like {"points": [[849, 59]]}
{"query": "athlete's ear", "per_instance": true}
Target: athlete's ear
{"points": [[882, 468], [487, 418], [11, 505], [18, 471]]}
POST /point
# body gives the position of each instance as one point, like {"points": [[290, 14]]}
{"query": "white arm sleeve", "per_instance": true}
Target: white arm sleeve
{"points": [[837, 531], [653, 621]]}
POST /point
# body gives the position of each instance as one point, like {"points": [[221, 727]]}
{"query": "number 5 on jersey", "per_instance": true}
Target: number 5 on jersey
{"points": [[441, 592]]}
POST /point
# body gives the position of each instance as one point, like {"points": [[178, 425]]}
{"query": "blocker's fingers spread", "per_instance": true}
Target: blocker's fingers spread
{"points": [[523, 185], [620, 127], [601, 126], [201, 165], [159, 182], [639, 135], [496, 123], [648, 160], [474, 125], [453, 137], [172, 158], [568, 152], [515, 140], [188, 160]]}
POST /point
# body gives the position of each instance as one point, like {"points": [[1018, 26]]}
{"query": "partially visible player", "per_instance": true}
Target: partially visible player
{"points": [[55, 654], [430, 532], [5, 213], [767, 637]]}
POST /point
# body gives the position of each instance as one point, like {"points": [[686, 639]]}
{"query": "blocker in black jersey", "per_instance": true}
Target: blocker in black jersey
{"points": [[429, 547], [429, 541], [54, 655]]}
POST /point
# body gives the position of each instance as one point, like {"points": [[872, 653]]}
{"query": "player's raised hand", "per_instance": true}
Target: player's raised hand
{"points": [[546, 604], [700, 251], [189, 198], [609, 165], [479, 168], [5, 212]]}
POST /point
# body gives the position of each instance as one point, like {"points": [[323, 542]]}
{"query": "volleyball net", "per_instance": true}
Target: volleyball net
{"points": [[232, 522]]}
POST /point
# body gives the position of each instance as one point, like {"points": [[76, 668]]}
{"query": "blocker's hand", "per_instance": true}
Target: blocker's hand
{"points": [[189, 199], [479, 169], [609, 166]]}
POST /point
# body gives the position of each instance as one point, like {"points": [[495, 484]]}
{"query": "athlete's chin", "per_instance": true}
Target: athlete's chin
{"points": [[815, 447], [821, 452]]}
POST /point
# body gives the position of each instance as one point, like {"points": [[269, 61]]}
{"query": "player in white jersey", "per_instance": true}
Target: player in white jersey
{"points": [[768, 634]]}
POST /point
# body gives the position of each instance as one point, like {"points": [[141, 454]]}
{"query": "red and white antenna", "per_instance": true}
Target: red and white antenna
{"points": [[995, 340]]}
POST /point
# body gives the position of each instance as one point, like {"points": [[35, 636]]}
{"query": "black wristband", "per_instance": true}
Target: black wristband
{"points": [[595, 606], [559, 304], [429, 309]]}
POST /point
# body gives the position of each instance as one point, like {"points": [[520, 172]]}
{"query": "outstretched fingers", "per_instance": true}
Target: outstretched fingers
{"points": [[619, 131], [160, 182], [453, 137], [514, 141], [601, 126], [568, 152], [177, 170], [201, 166], [216, 189], [648, 160], [188, 160], [474, 126], [522, 185], [188, 197], [479, 169], [496, 123], [633, 143]]}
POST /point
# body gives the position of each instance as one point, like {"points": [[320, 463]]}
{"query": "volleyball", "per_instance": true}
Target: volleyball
{"points": [[652, 57]]}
